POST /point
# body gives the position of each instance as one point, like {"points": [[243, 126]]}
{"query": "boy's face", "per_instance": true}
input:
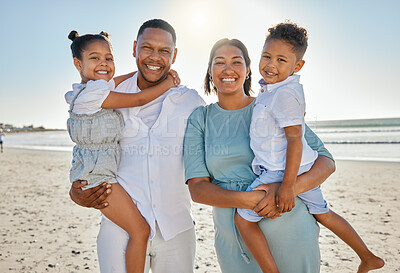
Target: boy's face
{"points": [[278, 61]]}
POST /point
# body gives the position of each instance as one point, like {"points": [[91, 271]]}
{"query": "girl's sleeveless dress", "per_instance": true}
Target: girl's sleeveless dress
{"points": [[97, 152]]}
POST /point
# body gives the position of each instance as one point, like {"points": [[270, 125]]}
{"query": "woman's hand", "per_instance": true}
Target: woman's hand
{"points": [[90, 198], [267, 207]]}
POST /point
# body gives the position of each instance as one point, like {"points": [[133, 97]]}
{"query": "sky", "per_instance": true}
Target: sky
{"points": [[351, 69]]}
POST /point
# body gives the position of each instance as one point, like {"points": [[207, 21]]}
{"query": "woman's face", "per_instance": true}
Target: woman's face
{"points": [[228, 70]]}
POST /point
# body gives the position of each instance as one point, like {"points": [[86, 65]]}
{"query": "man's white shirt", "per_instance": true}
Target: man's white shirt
{"points": [[151, 168]]}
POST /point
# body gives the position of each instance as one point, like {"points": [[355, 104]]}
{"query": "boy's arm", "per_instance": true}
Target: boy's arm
{"points": [[125, 100], [285, 196]]}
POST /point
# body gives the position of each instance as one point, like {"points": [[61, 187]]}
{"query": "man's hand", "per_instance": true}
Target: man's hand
{"points": [[285, 198], [267, 207], [90, 198]]}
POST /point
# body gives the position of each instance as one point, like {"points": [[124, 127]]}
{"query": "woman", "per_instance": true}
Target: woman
{"points": [[218, 170]]}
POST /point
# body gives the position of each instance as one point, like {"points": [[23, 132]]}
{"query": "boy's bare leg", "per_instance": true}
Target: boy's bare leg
{"points": [[257, 244], [346, 232], [123, 212]]}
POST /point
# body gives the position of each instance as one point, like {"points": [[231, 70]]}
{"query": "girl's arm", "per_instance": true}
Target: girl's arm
{"points": [[125, 100], [119, 79], [204, 192]]}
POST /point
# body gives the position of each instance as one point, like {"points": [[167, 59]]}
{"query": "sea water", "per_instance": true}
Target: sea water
{"points": [[372, 143]]}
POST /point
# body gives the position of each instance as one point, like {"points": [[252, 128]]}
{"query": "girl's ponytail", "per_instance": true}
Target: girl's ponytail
{"points": [[72, 35], [105, 34], [79, 43]]}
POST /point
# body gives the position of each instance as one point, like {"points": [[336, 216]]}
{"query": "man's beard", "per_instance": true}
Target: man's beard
{"points": [[163, 77]]}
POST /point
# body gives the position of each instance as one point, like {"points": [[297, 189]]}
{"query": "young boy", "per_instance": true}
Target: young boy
{"points": [[281, 152]]}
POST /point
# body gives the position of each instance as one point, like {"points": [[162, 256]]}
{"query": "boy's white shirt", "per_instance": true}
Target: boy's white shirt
{"points": [[277, 106]]}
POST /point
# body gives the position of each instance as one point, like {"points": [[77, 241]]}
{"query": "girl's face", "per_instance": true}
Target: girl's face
{"points": [[97, 62], [228, 70]]}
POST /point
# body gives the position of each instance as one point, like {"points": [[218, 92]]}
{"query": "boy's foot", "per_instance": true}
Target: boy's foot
{"points": [[373, 262]]}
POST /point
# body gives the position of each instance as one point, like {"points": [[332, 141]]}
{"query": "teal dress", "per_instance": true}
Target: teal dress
{"points": [[217, 145]]}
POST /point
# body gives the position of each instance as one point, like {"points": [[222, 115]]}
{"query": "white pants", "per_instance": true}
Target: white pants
{"points": [[173, 256]]}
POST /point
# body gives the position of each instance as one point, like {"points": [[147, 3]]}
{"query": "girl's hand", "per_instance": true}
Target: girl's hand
{"points": [[173, 77], [267, 207], [285, 198]]}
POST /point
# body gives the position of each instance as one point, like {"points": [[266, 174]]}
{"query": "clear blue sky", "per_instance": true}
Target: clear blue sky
{"points": [[351, 70]]}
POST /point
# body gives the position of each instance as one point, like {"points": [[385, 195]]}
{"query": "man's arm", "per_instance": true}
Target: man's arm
{"points": [[90, 198]]}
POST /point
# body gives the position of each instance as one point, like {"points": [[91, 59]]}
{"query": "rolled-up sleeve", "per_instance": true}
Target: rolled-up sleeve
{"points": [[194, 148], [286, 108], [315, 143]]}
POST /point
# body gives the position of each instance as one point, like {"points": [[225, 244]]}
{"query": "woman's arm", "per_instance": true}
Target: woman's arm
{"points": [[323, 167], [204, 192], [125, 100]]}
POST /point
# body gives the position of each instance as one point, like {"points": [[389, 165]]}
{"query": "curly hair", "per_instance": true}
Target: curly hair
{"points": [[291, 33]]}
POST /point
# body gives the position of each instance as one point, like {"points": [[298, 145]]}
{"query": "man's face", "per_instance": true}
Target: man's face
{"points": [[155, 53]]}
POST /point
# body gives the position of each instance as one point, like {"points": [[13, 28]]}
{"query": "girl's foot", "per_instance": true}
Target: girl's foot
{"points": [[370, 263]]}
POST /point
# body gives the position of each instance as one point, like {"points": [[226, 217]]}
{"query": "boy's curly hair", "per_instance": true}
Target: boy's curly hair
{"points": [[291, 33]]}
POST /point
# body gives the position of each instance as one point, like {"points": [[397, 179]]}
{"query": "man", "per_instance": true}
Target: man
{"points": [[151, 168]]}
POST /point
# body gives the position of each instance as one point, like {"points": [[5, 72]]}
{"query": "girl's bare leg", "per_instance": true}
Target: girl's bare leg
{"points": [[346, 232], [123, 212], [257, 244]]}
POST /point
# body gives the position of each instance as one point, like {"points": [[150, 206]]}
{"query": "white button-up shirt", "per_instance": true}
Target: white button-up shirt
{"points": [[151, 168], [278, 106]]}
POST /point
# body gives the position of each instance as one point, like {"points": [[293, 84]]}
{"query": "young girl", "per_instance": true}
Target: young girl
{"points": [[96, 129], [281, 152]]}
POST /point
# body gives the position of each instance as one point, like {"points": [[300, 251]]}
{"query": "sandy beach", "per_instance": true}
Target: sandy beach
{"points": [[42, 230]]}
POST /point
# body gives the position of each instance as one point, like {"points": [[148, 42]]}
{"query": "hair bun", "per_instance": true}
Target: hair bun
{"points": [[105, 34], [73, 34]]}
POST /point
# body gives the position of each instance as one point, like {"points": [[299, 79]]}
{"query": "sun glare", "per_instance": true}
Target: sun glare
{"points": [[200, 19]]}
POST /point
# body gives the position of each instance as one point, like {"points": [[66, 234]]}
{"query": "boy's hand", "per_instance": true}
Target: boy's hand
{"points": [[173, 78], [285, 198]]}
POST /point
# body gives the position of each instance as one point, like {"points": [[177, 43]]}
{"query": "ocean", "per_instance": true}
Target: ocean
{"points": [[366, 140]]}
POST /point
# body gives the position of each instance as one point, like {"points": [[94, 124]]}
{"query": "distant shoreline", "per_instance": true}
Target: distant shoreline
{"points": [[378, 122], [33, 131]]}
